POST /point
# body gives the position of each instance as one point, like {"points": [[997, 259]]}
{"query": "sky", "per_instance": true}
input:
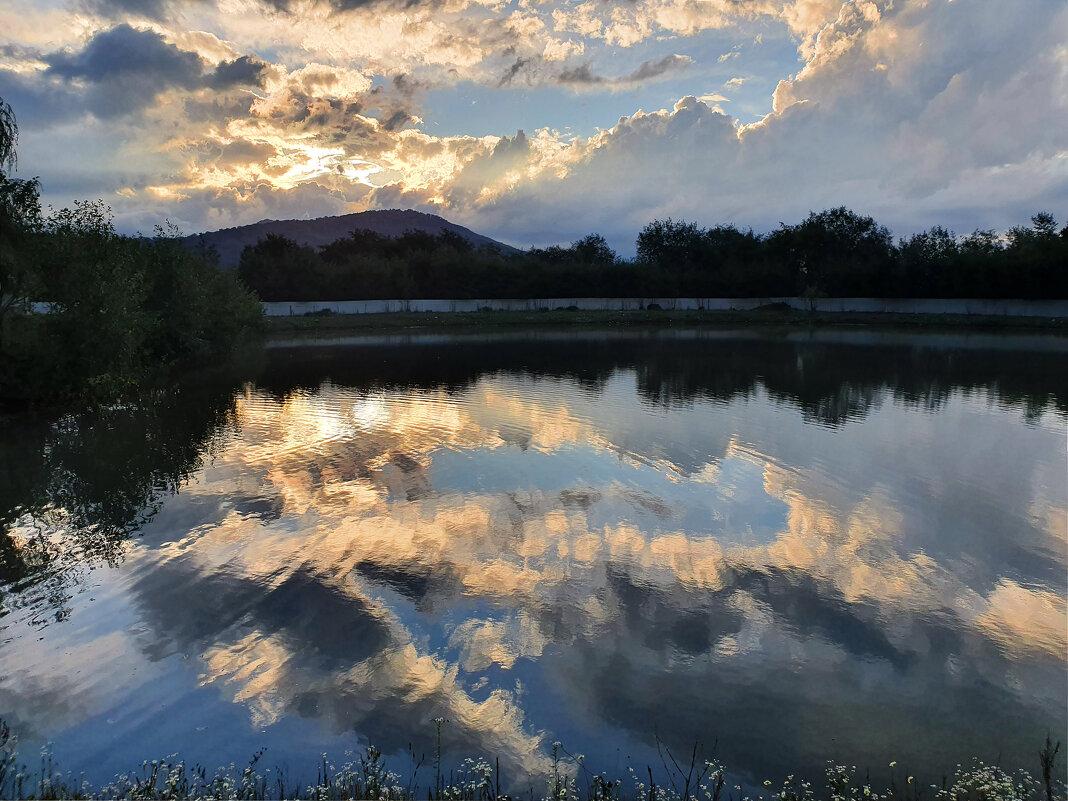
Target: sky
{"points": [[537, 122]]}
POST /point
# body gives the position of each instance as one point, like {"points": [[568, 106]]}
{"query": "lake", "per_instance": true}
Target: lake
{"points": [[790, 548]]}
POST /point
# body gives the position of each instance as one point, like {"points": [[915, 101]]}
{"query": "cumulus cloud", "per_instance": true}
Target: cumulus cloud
{"points": [[893, 114], [124, 50], [124, 69], [243, 71], [915, 112]]}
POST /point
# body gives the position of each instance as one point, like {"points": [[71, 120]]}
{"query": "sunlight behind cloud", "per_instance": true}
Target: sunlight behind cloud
{"points": [[285, 106]]}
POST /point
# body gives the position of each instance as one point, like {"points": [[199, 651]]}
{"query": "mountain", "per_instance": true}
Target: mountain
{"points": [[229, 242]]}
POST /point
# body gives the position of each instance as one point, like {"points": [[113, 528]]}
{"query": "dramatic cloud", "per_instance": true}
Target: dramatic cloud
{"points": [[691, 554], [647, 71], [917, 112], [244, 71], [913, 134], [126, 69], [118, 71], [122, 51]]}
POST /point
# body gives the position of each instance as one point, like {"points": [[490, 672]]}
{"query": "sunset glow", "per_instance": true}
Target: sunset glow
{"points": [[538, 122]]}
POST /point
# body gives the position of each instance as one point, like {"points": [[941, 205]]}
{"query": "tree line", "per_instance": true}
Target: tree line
{"points": [[120, 307], [832, 253]]}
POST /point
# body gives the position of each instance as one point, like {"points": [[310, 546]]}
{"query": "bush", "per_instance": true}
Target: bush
{"points": [[120, 307]]}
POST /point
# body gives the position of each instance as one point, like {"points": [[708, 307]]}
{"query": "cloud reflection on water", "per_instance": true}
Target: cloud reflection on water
{"points": [[371, 558], [586, 557]]}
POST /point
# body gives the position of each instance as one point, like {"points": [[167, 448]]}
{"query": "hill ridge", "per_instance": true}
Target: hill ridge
{"points": [[229, 242]]}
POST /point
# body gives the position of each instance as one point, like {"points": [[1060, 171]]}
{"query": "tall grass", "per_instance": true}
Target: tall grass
{"points": [[569, 779]]}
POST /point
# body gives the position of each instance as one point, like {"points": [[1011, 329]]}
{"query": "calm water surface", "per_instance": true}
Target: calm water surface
{"points": [[821, 546]]}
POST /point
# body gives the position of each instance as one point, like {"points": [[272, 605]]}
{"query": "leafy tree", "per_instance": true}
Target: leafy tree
{"points": [[20, 215], [279, 268], [1035, 261], [593, 249], [838, 252], [9, 136], [669, 244], [119, 306], [1044, 224], [835, 252], [736, 264], [195, 308], [925, 264], [97, 329]]}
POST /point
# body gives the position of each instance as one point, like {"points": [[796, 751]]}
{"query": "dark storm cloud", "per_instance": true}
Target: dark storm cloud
{"points": [[396, 120], [125, 69], [407, 86], [579, 75], [241, 151], [647, 71], [513, 71], [125, 51], [216, 108], [330, 115], [654, 69], [243, 71]]}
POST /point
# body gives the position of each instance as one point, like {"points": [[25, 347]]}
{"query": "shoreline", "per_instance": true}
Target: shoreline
{"points": [[365, 774], [335, 323]]}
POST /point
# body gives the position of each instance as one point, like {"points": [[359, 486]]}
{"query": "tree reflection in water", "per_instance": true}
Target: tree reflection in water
{"points": [[635, 525], [74, 489]]}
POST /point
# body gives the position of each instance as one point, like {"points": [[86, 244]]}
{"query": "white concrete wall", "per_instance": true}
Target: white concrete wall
{"points": [[1016, 308]]}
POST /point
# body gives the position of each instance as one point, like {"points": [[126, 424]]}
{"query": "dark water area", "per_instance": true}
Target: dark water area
{"points": [[847, 546]]}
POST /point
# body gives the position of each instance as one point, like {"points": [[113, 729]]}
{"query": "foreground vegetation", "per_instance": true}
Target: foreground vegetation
{"points": [[832, 253], [120, 308], [569, 779]]}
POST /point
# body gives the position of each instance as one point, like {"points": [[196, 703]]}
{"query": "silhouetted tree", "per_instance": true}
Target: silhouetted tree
{"points": [[278, 267], [1035, 261], [20, 214], [838, 253], [9, 136], [925, 264], [835, 252], [669, 244], [593, 250]]}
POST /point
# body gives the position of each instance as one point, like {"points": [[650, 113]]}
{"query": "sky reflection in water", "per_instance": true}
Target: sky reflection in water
{"points": [[806, 549]]}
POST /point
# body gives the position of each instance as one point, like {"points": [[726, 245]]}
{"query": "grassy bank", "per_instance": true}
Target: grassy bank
{"points": [[367, 776], [335, 323]]}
